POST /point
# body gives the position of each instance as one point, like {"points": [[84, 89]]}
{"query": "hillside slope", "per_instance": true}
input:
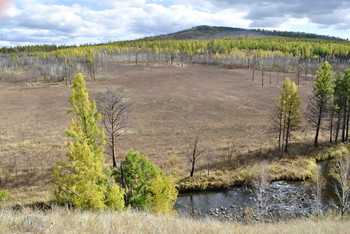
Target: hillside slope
{"points": [[211, 32]]}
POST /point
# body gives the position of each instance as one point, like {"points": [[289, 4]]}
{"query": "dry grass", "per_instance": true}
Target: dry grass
{"points": [[30, 195], [331, 152], [297, 169], [63, 221], [221, 105]]}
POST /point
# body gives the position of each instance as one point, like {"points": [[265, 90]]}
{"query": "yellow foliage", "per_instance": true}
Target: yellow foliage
{"points": [[115, 198], [83, 181], [163, 196]]}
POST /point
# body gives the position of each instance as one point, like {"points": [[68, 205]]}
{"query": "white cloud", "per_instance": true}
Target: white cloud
{"points": [[78, 22], [6, 44], [134, 19], [12, 11], [289, 23]]}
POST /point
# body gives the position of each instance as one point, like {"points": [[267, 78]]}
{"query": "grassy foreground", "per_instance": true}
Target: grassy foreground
{"points": [[60, 220]]}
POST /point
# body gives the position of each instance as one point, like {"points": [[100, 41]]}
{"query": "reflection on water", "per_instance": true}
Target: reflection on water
{"points": [[203, 202], [283, 197]]}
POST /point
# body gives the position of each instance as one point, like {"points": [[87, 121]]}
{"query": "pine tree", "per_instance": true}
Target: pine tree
{"points": [[323, 93], [136, 174], [83, 182], [346, 101], [146, 186], [338, 105], [288, 113]]}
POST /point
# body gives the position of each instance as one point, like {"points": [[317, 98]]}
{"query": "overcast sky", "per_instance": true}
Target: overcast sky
{"points": [[25, 22]]}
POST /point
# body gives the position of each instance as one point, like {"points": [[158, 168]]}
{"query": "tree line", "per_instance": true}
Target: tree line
{"points": [[328, 110], [273, 54], [328, 107]]}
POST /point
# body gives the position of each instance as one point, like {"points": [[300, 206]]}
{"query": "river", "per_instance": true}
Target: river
{"points": [[284, 200]]}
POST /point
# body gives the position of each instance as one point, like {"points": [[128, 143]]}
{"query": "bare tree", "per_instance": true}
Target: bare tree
{"points": [[261, 199], [229, 152], [208, 153], [318, 183], [341, 174], [114, 109], [193, 152]]}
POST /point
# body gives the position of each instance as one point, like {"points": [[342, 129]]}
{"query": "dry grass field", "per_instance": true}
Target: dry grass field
{"points": [[63, 221], [221, 105]]}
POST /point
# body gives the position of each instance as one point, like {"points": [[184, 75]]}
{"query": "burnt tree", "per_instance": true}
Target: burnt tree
{"points": [[114, 109]]}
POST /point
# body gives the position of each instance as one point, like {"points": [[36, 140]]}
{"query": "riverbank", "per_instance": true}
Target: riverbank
{"points": [[285, 169], [60, 220], [222, 176], [291, 167]]}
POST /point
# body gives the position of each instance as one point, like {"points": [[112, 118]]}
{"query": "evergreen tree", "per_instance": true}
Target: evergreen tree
{"points": [[136, 174], [346, 100], [83, 182], [145, 184], [323, 93], [338, 104], [288, 113]]}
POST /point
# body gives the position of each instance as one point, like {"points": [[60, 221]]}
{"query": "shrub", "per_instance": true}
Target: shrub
{"points": [[162, 196], [4, 195], [145, 185], [246, 174], [136, 176]]}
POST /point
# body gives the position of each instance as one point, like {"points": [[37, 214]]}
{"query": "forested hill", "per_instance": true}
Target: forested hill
{"points": [[210, 32], [202, 33]]}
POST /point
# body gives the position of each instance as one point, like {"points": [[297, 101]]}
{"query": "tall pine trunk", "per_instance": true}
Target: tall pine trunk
{"points": [[347, 127], [338, 126], [280, 134], [344, 123], [331, 127], [318, 125]]}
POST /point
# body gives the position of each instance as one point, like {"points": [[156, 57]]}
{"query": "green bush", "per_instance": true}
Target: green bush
{"points": [[136, 176], [145, 185], [4, 195]]}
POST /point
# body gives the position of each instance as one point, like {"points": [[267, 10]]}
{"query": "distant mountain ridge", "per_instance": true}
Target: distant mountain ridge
{"points": [[205, 32]]}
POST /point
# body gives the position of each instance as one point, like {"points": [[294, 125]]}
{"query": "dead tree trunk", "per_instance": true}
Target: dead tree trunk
{"points": [[193, 153]]}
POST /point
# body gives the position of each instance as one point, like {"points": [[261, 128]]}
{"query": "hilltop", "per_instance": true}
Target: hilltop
{"points": [[205, 32]]}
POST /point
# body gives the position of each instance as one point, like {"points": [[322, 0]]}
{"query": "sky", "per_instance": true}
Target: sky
{"points": [[65, 22]]}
